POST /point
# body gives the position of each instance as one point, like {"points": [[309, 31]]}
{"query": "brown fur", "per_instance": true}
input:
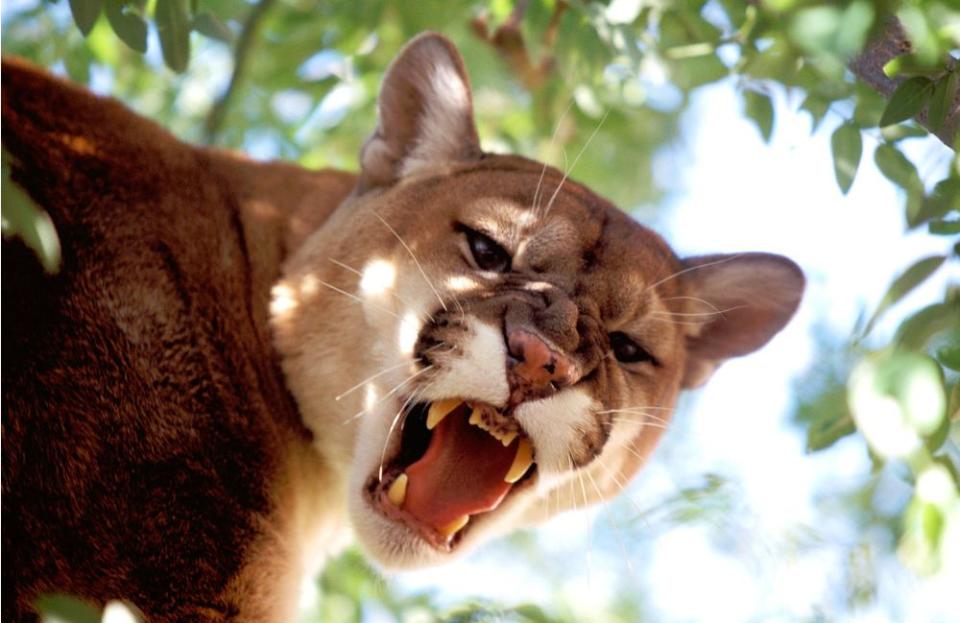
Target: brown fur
{"points": [[145, 418]]}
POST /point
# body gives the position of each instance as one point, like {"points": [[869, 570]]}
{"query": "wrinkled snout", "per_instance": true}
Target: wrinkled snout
{"points": [[534, 368]]}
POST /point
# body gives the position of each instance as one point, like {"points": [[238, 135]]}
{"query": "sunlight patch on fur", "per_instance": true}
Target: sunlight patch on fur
{"points": [[378, 277], [309, 285], [283, 300], [461, 283], [370, 397], [118, 612], [408, 332]]}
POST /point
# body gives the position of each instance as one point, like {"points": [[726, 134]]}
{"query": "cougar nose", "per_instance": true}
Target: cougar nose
{"points": [[535, 366]]}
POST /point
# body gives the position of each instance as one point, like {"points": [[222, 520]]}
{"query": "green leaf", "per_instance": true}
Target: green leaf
{"points": [[944, 227], [944, 199], [66, 609], [896, 167], [901, 131], [173, 26], [759, 107], [77, 62], [130, 27], [85, 14], [825, 432], [902, 285], [683, 27], [920, 328], [869, 106], [23, 218], [773, 63], [940, 101], [949, 356], [915, 382], [899, 170], [689, 73], [209, 25], [935, 439], [907, 100], [532, 613], [817, 107], [847, 147]]}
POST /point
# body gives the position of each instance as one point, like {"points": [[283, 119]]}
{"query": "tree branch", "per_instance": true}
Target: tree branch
{"points": [[241, 54], [868, 68], [508, 41]]}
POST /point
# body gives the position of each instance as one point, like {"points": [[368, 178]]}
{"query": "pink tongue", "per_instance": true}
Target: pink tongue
{"points": [[460, 474]]}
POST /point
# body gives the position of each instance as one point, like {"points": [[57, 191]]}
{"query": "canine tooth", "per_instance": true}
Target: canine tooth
{"points": [[439, 410], [476, 418], [454, 526], [398, 490], [507, 438], [522, 461]]}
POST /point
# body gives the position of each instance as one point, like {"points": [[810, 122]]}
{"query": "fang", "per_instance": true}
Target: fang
{"points": [[454, 526], [398, 491], [522, 461], [439, 410]]}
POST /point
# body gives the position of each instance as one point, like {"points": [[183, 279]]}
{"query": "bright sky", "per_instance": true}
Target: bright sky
{"points": [[739, 194]]}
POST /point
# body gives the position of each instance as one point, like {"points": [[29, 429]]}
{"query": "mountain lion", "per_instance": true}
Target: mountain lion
{"points": [[239, 364]]}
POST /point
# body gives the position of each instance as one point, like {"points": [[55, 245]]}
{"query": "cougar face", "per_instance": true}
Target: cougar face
{"points": [[479, 343]]}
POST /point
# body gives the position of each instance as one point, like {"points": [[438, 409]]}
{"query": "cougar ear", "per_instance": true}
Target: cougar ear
{"points": [[753, 294], [425, 114]]}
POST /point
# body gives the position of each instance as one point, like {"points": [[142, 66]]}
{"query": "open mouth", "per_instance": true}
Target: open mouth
{"points": [[457, 460]]}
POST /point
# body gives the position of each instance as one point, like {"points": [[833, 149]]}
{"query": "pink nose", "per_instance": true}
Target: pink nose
{"points": [[535, 366]]}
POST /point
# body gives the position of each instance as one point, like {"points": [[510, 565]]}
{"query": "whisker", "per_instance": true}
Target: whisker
{"points": [[623, 485], [553, 138], [357, 298], [637, 407], [686, 323], [617, 533], [388, 394], [719, 312], [646, 423], [626, 446], [401, 384], [423, 273], [639, 411], [392, 293], [573, 489], [692, 298], [690, 269], [586, 514], [641, 514], [371, 377], [575, 160], [393, 425], [647, 417]]}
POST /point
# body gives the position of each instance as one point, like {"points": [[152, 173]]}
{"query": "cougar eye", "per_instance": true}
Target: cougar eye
{"points": [[628, 351], [487, 254]]}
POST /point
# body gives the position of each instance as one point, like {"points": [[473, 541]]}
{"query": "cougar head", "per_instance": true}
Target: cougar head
{"points": [[480, 343]]}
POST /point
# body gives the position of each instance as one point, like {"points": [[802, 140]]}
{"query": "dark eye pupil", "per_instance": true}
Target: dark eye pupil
{"points": [[487, 254], [626, 350]]}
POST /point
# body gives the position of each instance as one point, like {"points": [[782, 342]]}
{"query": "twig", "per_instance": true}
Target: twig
{"points": [[508, 41], [868, 67], [248, 34]]}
